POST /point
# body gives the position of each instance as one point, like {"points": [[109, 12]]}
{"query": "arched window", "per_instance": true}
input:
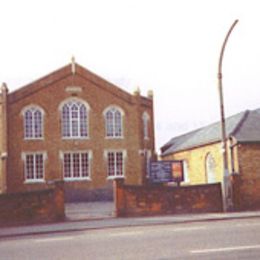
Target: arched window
{"points": [[33, 123], [114, 122], [74, 119], [185, 171], [210, 168], [146, 119]]}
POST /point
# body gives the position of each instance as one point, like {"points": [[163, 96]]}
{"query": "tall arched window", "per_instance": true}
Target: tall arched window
{"points": [[74, 119], [114, 122], [33, 122], [210, 168], [146, 119], [185, 171]]}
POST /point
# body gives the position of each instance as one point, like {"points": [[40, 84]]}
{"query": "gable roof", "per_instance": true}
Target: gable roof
{"points": [[244, 126], [249, 131], [65, 72]]}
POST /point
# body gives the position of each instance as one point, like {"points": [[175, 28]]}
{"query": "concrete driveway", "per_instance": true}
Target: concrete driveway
{"points": [[89, 210]]}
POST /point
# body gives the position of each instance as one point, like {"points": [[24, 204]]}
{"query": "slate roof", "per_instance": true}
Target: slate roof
{"points": [[244, 126]]}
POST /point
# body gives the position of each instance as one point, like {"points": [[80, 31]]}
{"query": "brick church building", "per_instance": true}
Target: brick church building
{"points": [[72, 125]]}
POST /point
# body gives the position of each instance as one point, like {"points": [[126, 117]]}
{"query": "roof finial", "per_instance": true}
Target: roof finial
{"points": [[150, 93], [137, 91], [3, 88], [73, 65]]}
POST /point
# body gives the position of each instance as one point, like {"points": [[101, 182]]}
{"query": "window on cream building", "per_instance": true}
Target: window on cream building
{"points": [[185, 171], [210, 168]]}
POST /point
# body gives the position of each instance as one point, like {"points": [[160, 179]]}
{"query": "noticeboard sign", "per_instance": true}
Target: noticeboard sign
{"points": [[166, 171]]}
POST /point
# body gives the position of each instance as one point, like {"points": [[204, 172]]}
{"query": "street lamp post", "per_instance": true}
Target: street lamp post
{"points": [[226, 184]]}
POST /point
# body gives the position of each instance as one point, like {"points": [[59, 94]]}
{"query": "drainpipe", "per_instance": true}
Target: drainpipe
{"points": [[3, 143], [231, 147]]}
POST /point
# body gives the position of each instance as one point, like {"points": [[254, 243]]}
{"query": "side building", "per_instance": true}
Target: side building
{"points": [[201, 153], [72, 125]]}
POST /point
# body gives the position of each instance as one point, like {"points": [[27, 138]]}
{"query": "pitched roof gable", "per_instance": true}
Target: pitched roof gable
{"points": [[40, 83], [64, 72], [249, 129], [206, 135]]}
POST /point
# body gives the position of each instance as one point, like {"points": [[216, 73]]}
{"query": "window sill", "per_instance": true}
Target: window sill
{"points": [[77, 179], [34, 181], [75, 138], [185, 183], [182, 183], [33, 139], [114, 137], [115, 177]]}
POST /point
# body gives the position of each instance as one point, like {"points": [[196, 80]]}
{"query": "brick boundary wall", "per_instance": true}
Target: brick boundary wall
{"points": [[152, 200], [42, 206], [245, 193]]}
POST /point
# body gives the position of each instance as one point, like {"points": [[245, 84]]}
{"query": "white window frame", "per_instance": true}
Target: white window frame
{"points": [[78, 120], [34, 179], [146, 120], [210, 164], [114, 126], [33, 109], [185, 166], [124, 156], [80, 153]]}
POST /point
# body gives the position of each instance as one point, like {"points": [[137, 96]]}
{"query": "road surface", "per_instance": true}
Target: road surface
{"points": [[229, 239]]}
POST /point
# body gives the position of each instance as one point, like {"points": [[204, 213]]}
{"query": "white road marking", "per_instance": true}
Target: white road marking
{"points": [[224, 249], [135, 233], [247, 224], [51, 239], [188, 228]]}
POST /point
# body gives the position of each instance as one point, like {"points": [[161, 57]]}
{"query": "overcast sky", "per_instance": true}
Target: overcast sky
{"points": [[171, 47]]}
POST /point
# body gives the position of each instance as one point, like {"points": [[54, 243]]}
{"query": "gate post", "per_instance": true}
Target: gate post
{"points": [[119, 198]]}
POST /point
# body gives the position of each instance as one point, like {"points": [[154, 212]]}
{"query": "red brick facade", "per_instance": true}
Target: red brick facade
{"points": [[246, 183], [49, 94]]}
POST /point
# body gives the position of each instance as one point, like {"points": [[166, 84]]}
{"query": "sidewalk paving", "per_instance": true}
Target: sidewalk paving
{"points": [[89, 210], [112, 222]]}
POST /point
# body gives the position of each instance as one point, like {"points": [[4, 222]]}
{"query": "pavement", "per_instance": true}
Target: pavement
{"points": [[89, 210], [90, 216]]}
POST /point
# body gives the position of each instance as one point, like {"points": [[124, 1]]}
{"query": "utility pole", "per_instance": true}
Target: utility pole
{"points": [[226, 184]]}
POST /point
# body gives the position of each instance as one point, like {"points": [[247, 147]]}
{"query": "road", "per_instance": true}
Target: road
{"points": [[229, 239]]}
